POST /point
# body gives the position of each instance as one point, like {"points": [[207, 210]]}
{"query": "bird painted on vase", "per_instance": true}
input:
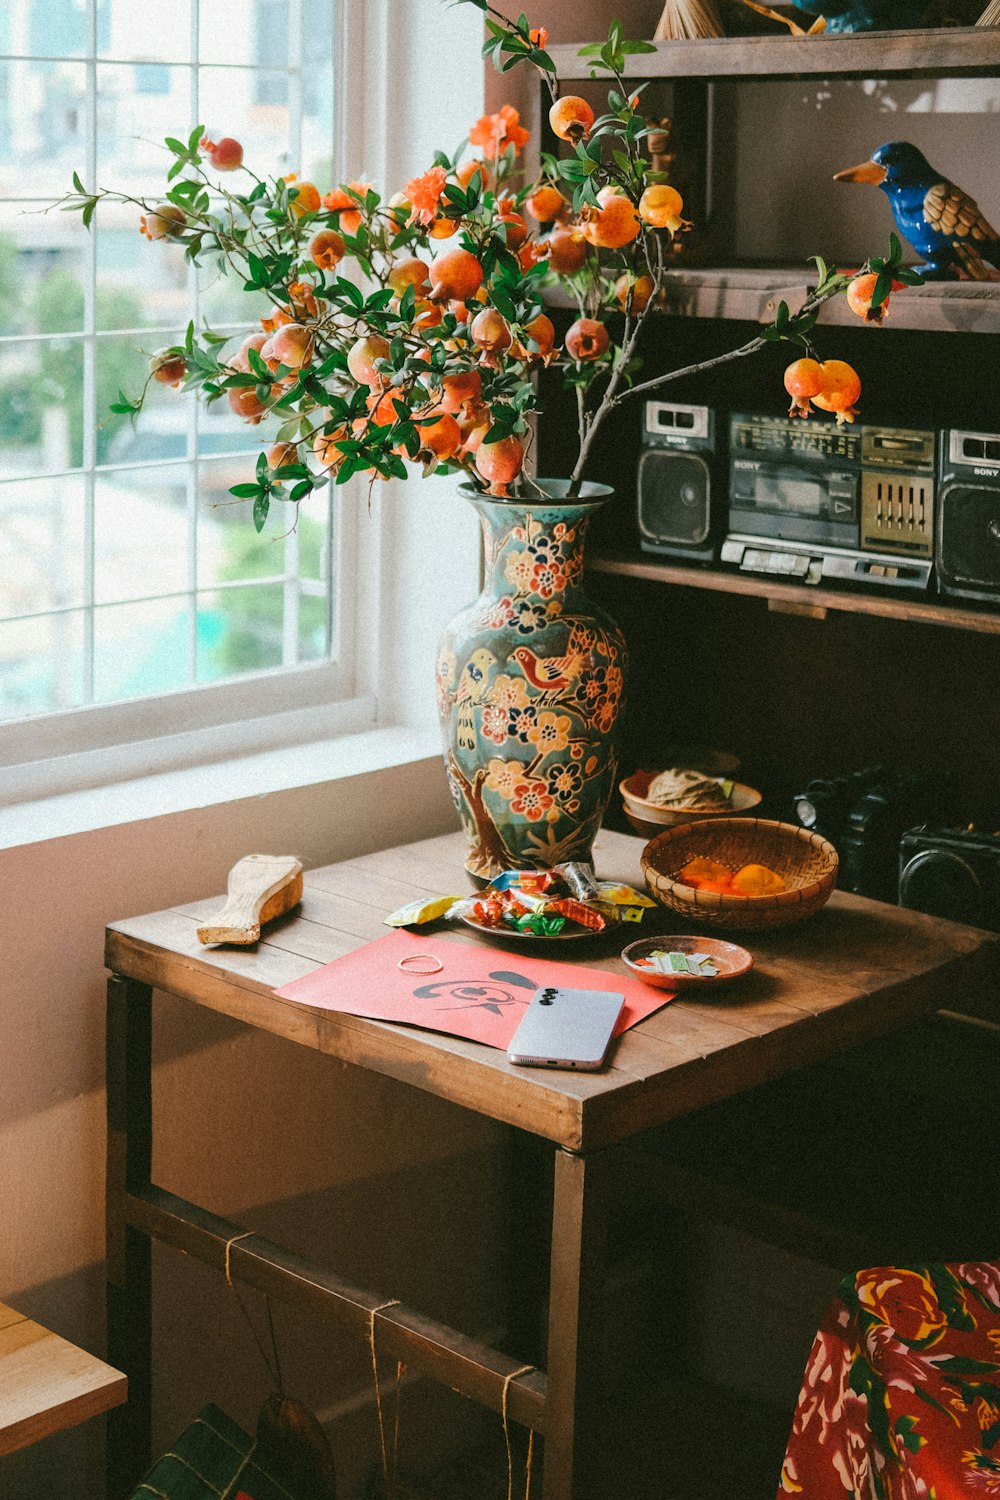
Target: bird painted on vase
{"points": [[866, 15], [471, 686], [940, 220], [550, 674]]}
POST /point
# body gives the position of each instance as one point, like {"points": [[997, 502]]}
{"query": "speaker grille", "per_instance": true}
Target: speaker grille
{"points": [[969, 553], [674, 494]]}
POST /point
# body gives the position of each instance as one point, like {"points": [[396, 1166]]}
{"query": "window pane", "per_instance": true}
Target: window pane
{"points": [[132, 122], [41, 664], [141, 649], [140, 533], [240, 630], [228, 546], [160, 430], [41, 270], [244, 31], [230, 104], [42, 544], [41, 405], [42, 128], [148, 31], [139, 283]]}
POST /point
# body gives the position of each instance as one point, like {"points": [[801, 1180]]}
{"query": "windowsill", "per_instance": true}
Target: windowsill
{"points": [[220, 782]]}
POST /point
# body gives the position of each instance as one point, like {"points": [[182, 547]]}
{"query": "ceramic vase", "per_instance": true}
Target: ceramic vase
{"points": [[530, 682]]}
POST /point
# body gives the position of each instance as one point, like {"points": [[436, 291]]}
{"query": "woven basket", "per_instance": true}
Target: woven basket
{"points": [[806, 862]]}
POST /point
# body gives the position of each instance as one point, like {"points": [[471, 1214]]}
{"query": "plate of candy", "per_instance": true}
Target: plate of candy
{"points": [[565, 904]]}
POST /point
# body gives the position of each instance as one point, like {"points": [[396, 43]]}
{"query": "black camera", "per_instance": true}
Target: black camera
{"points": [[951, 872], [864, 814]]}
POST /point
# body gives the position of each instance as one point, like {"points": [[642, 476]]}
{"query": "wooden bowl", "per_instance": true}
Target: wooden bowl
{"points": [[805, 861], [649, 817], [730, 960]]}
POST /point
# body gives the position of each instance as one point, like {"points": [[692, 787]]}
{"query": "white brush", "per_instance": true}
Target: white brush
{"points": [[688, 20]]}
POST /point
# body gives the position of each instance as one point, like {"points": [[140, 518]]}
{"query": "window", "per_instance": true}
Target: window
{"points": [[126, 570]]}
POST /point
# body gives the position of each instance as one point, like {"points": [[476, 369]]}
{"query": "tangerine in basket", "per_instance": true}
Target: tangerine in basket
{"points": [[757, 880], [699, 872]]}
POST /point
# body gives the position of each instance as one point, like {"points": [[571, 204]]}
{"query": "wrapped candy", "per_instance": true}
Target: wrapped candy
{"points": [[416, 913], [568, 906], [580, 878]]}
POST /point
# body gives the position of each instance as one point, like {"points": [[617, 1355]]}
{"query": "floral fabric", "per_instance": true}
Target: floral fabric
{"points": [[901, 1395]]}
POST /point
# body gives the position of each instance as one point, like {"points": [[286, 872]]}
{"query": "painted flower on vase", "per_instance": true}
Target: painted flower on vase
{"points": [[532, 799], [550, 732], [504, 777]]}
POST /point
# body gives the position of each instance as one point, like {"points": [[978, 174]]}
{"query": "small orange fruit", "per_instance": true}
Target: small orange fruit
{"points": [[841, 389], [491, 331], [457, 389], [641, 287], [615, 223], [168, 369], [859, 298], [660, 206], [281, 454], [243, 401], [409, 272], [500, 462], [325, 448], [758, 880], [364, 355], [292, 345], [306, 199], [803, 381], [571, 117], [697, 871], [455, 274], [326, 249], [165, 222], [567, 250], [586, 339], [440, 439], [546, 203], [225, 155]]}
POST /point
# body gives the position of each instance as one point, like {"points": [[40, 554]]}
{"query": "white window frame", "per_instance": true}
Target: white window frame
{"points": [[67, 750]]}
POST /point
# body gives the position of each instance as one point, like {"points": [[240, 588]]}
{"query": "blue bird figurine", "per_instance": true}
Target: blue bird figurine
{"points": [[941, 222], [866, 15]]}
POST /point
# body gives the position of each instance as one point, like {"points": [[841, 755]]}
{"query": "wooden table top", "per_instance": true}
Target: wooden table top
{"points": [[856, 969], [47, 1384]]}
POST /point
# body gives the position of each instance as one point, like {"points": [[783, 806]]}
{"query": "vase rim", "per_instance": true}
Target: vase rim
{"points": [[591, 493]]}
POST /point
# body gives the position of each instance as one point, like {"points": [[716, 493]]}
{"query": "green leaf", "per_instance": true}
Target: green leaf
{"points": [[88, 212], [78, 184], [635, 47], [244, 491], [895, 248], [261, 506], [302, 489], [258, 366], [195, 137]]}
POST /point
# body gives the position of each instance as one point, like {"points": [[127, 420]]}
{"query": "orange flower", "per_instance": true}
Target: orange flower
{"points": [[424, 194], [494, 132], [538, 36], [339, 200]]}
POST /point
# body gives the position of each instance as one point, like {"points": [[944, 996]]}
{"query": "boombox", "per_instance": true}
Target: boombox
{"points": [[968, 523], [681, 484], [825, 503], [951, 872]]}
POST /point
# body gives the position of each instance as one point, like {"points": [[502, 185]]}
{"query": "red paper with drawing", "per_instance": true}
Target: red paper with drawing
{"points": [[480, 993]]}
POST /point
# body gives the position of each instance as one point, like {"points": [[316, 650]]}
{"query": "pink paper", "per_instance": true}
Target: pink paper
{"points": [[480, 993]]}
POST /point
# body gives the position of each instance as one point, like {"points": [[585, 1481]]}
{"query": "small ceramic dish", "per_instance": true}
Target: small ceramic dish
{"points": [[730, 960], [505, 934], [650, 818]]}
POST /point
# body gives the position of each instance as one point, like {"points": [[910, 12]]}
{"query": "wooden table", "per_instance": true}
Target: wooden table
{"points": [[48, 1384], [856, 969]]}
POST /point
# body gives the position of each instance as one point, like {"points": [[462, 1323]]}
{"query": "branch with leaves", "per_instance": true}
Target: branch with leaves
{"points": [[410, 329]]}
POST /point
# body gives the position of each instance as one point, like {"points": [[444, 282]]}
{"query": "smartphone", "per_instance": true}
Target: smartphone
{"points": [[566, 1028]]}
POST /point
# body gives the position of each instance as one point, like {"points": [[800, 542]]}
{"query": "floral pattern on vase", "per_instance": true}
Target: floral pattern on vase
{"points": [[530, 682]]}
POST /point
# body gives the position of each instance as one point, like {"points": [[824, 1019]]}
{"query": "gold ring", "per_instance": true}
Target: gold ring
{"points": [[420, 963]]}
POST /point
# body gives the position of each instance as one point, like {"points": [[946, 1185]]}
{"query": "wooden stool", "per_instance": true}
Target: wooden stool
{"points": [[47, 1384]]}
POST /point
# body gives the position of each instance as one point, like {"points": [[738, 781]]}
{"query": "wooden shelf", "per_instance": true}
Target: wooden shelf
{"points": [[941, 52], [800, 598], [752, 296]]}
